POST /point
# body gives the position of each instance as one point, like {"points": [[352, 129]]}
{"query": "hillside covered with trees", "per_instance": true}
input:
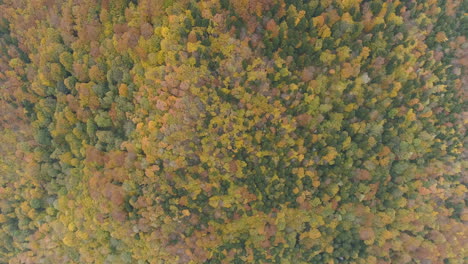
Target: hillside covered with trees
{"points": [[233, 131]]}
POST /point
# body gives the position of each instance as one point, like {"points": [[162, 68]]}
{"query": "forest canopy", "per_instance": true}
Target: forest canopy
{"points": [[233, 131]]}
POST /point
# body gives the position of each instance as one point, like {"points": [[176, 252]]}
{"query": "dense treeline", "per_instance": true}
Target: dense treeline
{"points": [[247, 131]]}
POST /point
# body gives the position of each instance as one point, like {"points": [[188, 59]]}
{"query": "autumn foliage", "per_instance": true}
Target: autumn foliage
{"points": [[233, 131]]}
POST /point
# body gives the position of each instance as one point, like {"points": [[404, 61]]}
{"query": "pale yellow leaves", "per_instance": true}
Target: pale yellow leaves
{"points": [[331, 155], [396, 89], [312, 234], [347, 4], [324, 32], [327, 57], [300, 15], [343, 53]]}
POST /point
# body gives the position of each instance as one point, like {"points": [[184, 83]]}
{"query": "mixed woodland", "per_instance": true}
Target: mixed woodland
{"points": [[233, 131]]}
